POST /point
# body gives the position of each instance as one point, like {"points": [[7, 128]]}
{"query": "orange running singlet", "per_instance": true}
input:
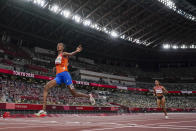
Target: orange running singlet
{"points": [[61, 63]]}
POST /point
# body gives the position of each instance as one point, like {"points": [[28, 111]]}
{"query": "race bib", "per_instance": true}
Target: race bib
{"points": [[159, 91], [58, 60]]}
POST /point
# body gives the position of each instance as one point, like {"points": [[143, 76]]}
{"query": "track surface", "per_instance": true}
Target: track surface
{"points": [[132, 122]]}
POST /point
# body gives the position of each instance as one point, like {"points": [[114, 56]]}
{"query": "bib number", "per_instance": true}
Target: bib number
{"points": [[159, 91], [58, 60]]}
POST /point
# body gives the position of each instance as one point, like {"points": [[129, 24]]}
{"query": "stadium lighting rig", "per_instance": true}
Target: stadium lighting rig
{"points": [[77, 18], [170, 4], [170, 46], [54, 8], [175, 47], [166, 46], [66, 13], [114, 34], [40, 3], [86, 22], [122, 36]]}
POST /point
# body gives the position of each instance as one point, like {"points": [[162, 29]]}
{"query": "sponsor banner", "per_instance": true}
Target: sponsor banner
{"points": [[25, 74], [114, 108], [103, 108], [17, 73], [53, 107], [81, 82], [153, 109], [66, 107], [100, 85], [174, 91], [43, 77], [84, 108], [135, 109], [193, 91], [194, 109], [6, 71], [122, 88], [27, 106], [144, 90], [175, 109], [186, 92], [160, 109], [3, 105], [132, 89], [10, 106], [14, 106], [138, 89]]}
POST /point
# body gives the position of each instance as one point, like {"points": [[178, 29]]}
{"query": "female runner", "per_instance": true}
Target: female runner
{"points": [[159, 92]]}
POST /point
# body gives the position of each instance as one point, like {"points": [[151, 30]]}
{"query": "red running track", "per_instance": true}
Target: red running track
{"points": [[132, 122]]}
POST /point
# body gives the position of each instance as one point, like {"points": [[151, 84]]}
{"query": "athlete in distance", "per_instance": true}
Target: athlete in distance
{"points": [[158, 92], [63, 76]]}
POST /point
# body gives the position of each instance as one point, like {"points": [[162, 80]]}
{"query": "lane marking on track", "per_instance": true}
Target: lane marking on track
{"points": [[27, 127], [35, 121], [115, 125], [170, 122], [140, 126], [178, 126], [26, 124]]}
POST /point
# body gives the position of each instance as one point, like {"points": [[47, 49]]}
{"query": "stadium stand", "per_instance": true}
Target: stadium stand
{"points": [[22, 90]]}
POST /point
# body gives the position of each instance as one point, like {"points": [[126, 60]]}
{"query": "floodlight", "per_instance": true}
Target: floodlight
{"points": [[122, 36], [171, 4], [55, 8], [87, 22], [39, 2], [166, 46], [98, 27], [93, 26], [183, 47], [77, 18], [66, 13], [137, 41], [175, 47], [129, 39], [105, 30], [114, 34], [192, 46]]}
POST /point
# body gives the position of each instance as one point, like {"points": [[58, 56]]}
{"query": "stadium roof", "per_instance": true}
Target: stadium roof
{"points": [[148, 23]]}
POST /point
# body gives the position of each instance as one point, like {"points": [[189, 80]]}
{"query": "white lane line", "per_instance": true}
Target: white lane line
{"points": [[31, 124], [165, 127], [26, 127], [140, 126], [35, 121], [170, 122], [178, 126]]}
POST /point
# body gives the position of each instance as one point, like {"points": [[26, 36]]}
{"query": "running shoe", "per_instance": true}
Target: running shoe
{"points": [[41, 113], [166, 117]]}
